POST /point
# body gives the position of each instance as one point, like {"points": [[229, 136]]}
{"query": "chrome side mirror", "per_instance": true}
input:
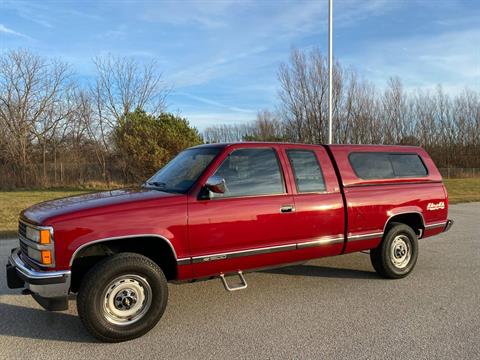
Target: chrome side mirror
{"points": [[216, 184]]}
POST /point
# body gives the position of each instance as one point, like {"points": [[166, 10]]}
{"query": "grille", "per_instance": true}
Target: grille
{"points": [[23, 248], [22, 229], [22, 232]]}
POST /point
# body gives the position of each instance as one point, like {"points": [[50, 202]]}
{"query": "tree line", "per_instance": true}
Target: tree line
{"points": [[447, 126], [57, 128]]}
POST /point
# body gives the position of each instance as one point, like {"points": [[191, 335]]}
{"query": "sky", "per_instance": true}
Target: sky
{"points": [[221, 58]]}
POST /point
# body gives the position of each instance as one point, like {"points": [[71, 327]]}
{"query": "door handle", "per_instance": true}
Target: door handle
{"points": [[287, 208]]}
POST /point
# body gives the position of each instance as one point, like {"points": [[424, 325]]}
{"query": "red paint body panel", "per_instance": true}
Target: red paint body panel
{"points": [[224, 225], [205, 233], [91, 217], [371, 203], [318, 214]]}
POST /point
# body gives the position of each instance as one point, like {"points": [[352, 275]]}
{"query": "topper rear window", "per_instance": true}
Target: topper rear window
{"points": [[377, 165]]}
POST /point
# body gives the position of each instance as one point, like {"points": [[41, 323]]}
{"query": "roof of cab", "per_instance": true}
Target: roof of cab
{"points": [[372, 147]]}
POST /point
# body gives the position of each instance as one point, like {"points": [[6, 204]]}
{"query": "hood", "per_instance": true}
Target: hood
{"points": [[41, 212]]}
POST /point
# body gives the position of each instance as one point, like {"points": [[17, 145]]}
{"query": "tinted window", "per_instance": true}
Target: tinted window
{"points": [[306, 169], [183, 171], [386, 165], [251, 172], [407, 165]]}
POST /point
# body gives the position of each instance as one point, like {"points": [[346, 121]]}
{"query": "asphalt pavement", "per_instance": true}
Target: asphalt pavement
{"points": [[328, 308]]}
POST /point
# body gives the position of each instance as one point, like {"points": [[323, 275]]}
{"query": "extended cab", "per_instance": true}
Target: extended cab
{"points": [[222, 209]]}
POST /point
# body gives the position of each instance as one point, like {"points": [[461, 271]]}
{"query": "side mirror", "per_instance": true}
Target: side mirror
{"points": [[216, 184]]}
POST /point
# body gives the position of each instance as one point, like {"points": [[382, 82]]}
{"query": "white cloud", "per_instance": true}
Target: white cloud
{"points": [[215, 103], [450, 58], [202, 120], [6, 30], [208, 14], [201, 73], [251, 30], [47, 13]]}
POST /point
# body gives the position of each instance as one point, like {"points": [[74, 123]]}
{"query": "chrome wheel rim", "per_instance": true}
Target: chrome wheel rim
{"points": [[126, 299], [400, 251]]}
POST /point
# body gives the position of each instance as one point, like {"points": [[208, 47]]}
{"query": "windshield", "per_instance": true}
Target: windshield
{"points": [[183, 171]]}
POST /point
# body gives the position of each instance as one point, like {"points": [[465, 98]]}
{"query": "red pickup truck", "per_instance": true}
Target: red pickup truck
{"points": [[221, 209]]}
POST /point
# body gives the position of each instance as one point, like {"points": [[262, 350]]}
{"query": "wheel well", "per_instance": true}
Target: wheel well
{"points": [[154, 248], [414, 220]]}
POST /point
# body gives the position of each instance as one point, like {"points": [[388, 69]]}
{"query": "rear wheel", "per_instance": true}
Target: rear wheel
{"points": [[122, 297], [397, 255]]}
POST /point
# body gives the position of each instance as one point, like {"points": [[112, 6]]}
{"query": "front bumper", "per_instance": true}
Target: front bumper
{"points": [[49, 288]]}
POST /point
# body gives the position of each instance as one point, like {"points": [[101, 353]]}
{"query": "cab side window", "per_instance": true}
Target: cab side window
{"points": [[307, 172], [250, 172]]}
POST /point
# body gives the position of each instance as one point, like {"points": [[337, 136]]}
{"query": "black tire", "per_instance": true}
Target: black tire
{"points": [[130, 271], [390, 259]]}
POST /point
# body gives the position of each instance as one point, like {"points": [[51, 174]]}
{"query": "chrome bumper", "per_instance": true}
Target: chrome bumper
{"points": [[47, 287], [448, 225]]}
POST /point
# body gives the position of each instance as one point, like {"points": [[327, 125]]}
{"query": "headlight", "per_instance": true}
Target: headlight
{"points": [[38, 236], [34, 254], [37, 242], [42, 256]]}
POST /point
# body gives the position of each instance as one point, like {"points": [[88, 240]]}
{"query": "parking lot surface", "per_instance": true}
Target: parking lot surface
{"points": [[328, 308]]}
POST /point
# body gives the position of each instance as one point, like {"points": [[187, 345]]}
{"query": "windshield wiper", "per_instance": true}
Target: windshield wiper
{"points": [[158, 184]]}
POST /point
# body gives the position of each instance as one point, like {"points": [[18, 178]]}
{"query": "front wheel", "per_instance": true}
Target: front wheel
{"points": [[122, 297], [397, 255]]}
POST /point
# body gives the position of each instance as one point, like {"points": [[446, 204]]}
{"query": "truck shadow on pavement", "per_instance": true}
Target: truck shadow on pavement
{"points": [[323, 272], [35, 323], [26, 322]]}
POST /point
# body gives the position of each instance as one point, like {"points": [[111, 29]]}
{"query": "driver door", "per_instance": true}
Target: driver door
{"points": [[250, 223]]}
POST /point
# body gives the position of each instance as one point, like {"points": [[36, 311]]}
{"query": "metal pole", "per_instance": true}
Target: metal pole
{"points": [[330, 69]]}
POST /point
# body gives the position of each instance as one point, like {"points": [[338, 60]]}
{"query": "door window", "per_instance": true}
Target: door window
{"points": [[307, 172], [250, 172]]}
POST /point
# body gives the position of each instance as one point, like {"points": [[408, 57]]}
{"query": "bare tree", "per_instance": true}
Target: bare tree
{"points": [[32, 102], [227, 133], [447, 126], [303, 95], [48, 118], [124, 85], [395, 112]]}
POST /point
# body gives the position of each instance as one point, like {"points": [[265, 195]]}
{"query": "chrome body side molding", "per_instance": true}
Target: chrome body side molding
{"points": [[184, 261], [325, 240], [436, 225], [364, 236], [250, 252]]}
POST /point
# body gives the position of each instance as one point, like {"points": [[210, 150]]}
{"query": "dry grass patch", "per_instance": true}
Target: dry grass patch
{"points": [[463, 190], [12, 202]]}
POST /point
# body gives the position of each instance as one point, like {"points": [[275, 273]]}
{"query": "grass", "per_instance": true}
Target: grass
{"points": [[463, 190], [12, 202]]}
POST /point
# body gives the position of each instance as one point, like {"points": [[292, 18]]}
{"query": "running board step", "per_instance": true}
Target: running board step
{"points": [[243, 283]]}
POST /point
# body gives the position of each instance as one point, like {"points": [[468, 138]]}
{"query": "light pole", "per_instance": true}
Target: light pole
{"points": [[330, 69]]}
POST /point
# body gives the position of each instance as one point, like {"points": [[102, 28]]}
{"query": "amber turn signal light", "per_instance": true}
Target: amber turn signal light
{"points": [[46, 257], [44, 237]]}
